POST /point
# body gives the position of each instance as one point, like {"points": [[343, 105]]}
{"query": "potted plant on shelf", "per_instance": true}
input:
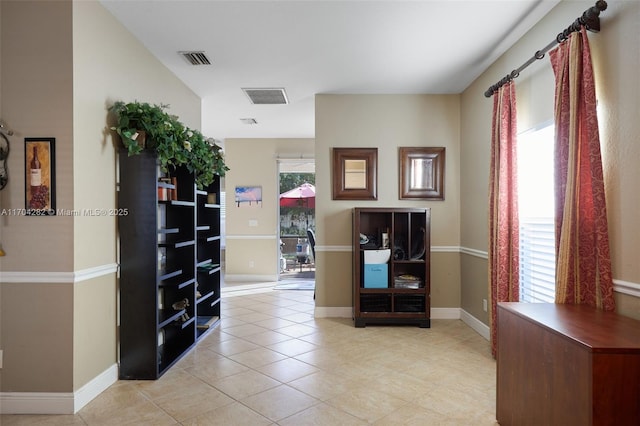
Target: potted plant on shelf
{"points": [[145, 126], [136, 120]]}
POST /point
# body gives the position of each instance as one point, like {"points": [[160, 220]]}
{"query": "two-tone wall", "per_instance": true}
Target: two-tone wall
{"points": [[62, 64], [385, 122], [462, 124], [616, 58], [252, 240]]}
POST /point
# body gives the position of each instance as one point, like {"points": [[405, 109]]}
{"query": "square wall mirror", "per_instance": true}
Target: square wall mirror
{"points": [[355, 174], [422, 173]]}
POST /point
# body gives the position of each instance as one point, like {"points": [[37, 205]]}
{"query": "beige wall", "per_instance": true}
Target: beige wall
{"points": [[37, 325], [36, 317], [123, 70], [63, 64], [385, 122], [252, 252], [37, 99], [616, 60], [98, 81]]}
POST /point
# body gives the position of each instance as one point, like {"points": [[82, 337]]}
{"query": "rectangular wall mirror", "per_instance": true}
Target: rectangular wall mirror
{"points": [[422, 173], [355, 174]]}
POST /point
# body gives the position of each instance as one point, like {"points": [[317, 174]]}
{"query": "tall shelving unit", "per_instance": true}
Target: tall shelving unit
{"points": [[406, 297], [169, 265]]}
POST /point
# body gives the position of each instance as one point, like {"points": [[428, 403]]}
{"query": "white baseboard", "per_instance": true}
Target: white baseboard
{"points": [[36, 403], [436, 313], [95, 387], [250, 278], [473, 322], [445, 313], [347, 312], [57, 402], [333, 312]]}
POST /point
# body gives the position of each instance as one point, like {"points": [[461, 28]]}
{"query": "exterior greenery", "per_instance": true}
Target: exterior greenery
{"points": [[288, 181], [299, 218], [145, 126]]}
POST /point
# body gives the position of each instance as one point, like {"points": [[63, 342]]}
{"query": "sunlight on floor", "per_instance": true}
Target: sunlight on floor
{"points": [[243, 289]]}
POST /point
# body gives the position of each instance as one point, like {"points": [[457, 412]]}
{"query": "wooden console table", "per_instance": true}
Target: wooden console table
{"points": [[566, 365]]}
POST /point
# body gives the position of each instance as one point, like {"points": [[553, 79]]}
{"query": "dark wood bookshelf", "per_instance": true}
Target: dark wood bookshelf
{"points": [[389, 300], [163, 246]]}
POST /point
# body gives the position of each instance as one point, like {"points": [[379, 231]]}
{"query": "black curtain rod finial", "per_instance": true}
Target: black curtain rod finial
{"points": [[601, 5], [590, 18]]}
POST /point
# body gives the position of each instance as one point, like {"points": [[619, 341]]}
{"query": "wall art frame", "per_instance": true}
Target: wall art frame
{"points": [[355, 174], [248, 196], [40, 176], [421, 173]]}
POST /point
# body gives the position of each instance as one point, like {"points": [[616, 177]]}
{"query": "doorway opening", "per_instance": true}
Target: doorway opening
{"points": [[296, 219]]}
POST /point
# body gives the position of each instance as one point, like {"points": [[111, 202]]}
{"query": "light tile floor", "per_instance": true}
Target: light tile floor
{"points": [[270, 362]]}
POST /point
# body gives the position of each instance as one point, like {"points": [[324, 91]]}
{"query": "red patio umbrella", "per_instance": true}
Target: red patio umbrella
{"points": [[301, 196]]}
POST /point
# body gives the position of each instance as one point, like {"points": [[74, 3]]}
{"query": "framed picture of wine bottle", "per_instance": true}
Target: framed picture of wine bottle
{"points": [[39, 177]]}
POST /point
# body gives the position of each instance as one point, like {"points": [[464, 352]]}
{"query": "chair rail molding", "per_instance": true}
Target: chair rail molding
{"points": [[57, 277]]}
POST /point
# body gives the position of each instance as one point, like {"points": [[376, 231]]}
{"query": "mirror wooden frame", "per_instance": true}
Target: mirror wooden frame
{"points": [[431, 185], [341, 189]]}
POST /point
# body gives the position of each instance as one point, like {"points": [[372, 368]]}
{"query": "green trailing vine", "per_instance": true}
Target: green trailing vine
{"points": [[149, 126]]}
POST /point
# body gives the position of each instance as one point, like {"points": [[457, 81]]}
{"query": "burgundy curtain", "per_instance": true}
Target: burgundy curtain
{"points": [[504, 258], [583, 263]]}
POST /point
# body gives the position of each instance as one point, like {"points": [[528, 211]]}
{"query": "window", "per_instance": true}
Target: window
{"points": [[536, 210]]}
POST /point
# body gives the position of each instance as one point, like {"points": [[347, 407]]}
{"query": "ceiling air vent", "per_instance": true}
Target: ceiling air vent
{"points": [[249, 121], [267, 96], [196, 58]]}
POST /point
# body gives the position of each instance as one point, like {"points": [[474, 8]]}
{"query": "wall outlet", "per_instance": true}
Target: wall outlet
{"points": [[253, 222], [484, 305], [251, 264]]}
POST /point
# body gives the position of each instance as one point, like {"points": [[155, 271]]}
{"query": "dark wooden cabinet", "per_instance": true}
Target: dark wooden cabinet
{"points": [[396, 291], [566, 365], [169, 253]]}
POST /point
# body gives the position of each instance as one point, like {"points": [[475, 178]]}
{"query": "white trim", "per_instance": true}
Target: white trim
{"points": [[98, 271], [347, 312], [37, 277], [474, 252], [250, 278], [318, 248], [334, 248], [58, 277], [36, 403], [251, 237], [473, 322], [95, 387], [445, 249], [333, 312], [57, 402], [298, 158], [632, 289], [434, 249], [445, 313]]}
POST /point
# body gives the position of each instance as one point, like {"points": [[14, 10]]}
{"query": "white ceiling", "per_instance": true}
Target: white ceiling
{"points": [[310, 47]]}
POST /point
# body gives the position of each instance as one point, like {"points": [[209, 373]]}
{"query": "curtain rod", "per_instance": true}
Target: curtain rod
{"points": [[590, 20]]}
